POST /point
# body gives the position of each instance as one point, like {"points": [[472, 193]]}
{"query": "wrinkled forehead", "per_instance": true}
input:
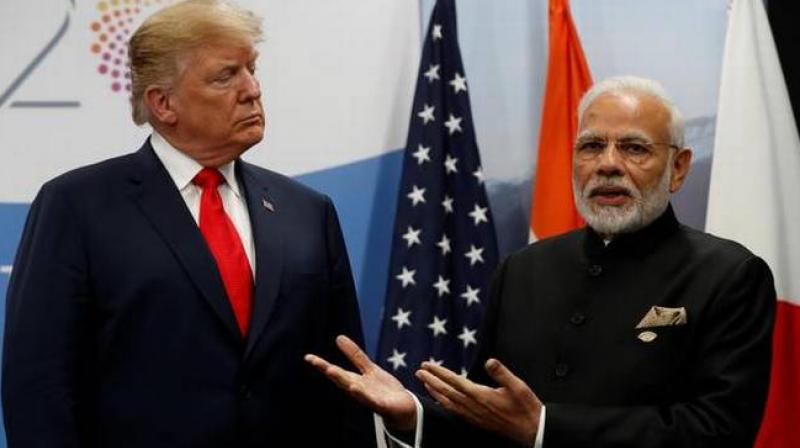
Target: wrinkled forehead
{"points": [[618, 114]]}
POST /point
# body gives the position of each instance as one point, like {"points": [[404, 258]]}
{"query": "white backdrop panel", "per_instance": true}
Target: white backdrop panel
{"points": [[328, 72]]}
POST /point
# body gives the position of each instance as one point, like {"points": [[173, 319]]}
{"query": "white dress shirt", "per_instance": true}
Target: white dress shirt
{"points": [[182, 169]]}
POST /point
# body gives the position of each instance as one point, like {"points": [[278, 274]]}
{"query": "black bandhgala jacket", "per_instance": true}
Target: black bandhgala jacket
{"points": [[563, 317]]}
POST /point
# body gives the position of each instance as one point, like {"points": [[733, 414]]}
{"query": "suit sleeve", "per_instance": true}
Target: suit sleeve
{"points": [[46, 330], [727, 381], [344, 318]]}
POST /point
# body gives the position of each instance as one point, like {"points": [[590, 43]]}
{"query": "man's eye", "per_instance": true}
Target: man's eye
{"points": [[223, 77], [634, 148], [592, 146]]}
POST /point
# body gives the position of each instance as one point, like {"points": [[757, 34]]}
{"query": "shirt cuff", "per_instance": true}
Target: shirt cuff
{"points": [[540, 430], [390, 441]]}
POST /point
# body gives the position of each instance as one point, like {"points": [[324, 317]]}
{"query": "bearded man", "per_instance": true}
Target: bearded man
{"points": [[635, 331]]}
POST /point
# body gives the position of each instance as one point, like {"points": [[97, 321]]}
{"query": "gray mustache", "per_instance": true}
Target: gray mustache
{"points": [[595, 185]]}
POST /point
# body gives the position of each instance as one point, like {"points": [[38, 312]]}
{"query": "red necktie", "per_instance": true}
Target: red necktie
{"points": [[223, 240]]}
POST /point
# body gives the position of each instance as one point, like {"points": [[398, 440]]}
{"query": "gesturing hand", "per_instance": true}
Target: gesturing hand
{"points": [[372, 386], [511, 409]]}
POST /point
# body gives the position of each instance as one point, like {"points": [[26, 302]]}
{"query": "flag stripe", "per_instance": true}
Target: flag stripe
{"points": [[553, 208], [755, 175], [782, 407]]}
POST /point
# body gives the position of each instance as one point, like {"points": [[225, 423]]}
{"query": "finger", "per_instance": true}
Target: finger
{"points": [[505, 378], [446, 375], [357, 356], [464, 411], [339, 376], [317, 362], [443, 388], [477, 392]]}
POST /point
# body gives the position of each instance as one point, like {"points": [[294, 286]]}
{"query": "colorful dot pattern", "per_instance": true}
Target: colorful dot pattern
{"points": [[112, 30]]}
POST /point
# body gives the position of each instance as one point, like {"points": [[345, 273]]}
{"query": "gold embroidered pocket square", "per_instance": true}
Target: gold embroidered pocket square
{"points": [[660, 316]]}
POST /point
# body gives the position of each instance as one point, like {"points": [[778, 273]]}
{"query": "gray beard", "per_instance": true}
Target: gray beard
{"points": [[614, 220]]}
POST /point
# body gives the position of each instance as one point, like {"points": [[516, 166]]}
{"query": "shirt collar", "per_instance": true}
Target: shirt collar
{"points": [[182, 168]]}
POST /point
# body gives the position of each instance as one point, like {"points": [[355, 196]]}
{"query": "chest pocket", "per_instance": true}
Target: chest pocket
{"points": [[656, 354]]}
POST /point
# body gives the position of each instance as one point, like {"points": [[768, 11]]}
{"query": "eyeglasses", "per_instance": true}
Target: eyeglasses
{"points": [[635, 150]]}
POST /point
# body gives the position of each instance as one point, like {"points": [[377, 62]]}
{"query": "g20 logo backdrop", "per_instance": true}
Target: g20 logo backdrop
{"points": [[112, 27]]}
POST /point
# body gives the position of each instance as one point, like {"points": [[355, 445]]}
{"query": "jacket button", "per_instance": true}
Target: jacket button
{"points": [[595, 270], [577, 319], [562, 370]]}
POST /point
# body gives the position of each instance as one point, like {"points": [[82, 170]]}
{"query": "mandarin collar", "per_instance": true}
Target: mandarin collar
{"points": [[638, 243]]}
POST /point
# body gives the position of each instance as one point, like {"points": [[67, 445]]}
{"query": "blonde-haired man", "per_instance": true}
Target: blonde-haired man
{"points": [[165, 298]]}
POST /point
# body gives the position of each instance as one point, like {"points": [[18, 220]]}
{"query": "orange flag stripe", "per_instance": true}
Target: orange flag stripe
{"points": [[552, 205]]}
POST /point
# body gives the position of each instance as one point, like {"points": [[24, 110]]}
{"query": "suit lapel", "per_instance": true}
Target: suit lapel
{"points": [[265, 218], [161, 202]]}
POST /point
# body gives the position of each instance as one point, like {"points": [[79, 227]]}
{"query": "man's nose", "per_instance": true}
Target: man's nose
{"points": [[251, 89], [610, 160]]}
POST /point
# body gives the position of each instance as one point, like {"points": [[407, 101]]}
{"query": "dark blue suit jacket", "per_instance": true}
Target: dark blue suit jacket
{"points": [[119, 332]]}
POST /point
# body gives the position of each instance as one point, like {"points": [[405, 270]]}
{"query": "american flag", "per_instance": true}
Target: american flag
{"points": [[444, 246]]}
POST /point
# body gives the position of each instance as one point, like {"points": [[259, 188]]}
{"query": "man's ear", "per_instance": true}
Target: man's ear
{"points": [[157, 99], [680, 168]]}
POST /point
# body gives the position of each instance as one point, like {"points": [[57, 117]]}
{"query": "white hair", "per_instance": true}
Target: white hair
{"points": [[627, 84]]}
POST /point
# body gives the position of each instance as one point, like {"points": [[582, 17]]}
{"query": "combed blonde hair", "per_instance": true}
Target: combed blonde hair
{"points": [[157, 48]]}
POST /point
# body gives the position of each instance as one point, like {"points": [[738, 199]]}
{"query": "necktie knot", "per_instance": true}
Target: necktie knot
{"points": [[208, 178]]}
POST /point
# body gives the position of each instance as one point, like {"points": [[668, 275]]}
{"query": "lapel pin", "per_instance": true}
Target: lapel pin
{"points": [[647, 336], [267, 205]]}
